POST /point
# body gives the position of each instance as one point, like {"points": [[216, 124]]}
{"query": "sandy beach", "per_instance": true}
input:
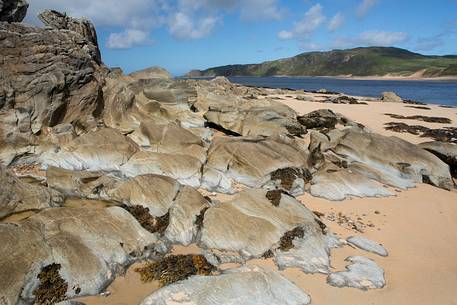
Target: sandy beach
{"points": [[417, 227]]}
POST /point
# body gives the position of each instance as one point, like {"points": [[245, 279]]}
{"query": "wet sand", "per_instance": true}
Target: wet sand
{"points": [[418, 227]]}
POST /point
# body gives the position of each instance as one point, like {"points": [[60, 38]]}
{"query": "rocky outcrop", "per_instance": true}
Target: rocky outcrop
{"points": [[13, 10], [86, 248], [246, 286], [48, 76], [360, 163]]}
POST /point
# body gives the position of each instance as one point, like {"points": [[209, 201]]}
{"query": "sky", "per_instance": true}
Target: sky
{"points": [[181, 35]]}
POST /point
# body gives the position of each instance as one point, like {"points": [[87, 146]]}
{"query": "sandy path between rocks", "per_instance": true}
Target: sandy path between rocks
{"points": [[418, 227]]}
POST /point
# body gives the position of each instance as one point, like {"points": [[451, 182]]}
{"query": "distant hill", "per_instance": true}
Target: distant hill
{"points": [[369, 61]]}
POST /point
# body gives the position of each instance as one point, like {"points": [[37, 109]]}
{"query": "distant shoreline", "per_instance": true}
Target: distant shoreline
{"points": [[377, 78]]}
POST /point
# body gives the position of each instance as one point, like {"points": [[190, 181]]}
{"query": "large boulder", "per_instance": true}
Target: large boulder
{"points": [[360, 163], [252, 225], [391, 97], [80, 250], [447, 152], [249, 161], [48, 76], [13, 10], [247, 287]]}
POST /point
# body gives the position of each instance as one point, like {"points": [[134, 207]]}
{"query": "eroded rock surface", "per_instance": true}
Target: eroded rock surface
{"points": [[363, 274], [447, 152], [90, 245], [246, 287], [13, 10]]}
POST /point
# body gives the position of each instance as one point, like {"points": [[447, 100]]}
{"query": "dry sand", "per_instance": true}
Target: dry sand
{"points": [[418, 227]]}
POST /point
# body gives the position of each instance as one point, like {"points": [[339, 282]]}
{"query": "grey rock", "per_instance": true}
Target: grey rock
{"points": [[250, 225], [91, 245], [367, 245], [363, 274], [244, 287], [391, 97], [447, 152], [13, 10], [249, 161]]}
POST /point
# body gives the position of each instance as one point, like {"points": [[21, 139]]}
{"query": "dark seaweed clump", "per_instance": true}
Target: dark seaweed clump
{"points": [[429, 119], [286, 241], [147, 221], [274, 196], [288, 175], [446, 134], [52, 288], [174, 268]]}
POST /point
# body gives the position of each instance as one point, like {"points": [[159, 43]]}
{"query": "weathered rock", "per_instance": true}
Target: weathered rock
{"points": [[251, 225], [387, 160], [367, 245], [249, 161], [150, 191], [18, 196], [83, 27], [247, 287], [363, 274], [391, 97], [447, 152], [153, 72], [76, 239], [186, 216], [71, 183], [47, 77], [184, 168], [13, 10], [170, 138], [105, 149], [335, 183]]}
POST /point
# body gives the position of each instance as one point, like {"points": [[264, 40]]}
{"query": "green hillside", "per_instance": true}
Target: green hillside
{"points": [[371, 61]]}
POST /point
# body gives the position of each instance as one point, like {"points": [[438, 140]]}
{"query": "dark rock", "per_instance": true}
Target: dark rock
{"points": [[447, 152], [13, 10], [423, 118], [446, 134]]}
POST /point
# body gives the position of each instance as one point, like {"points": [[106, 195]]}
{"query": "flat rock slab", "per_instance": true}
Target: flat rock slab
{"points": [[367, 245], [247, 288], [363, 274]]}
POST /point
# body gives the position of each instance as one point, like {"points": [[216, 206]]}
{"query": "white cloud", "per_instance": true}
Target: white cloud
{"points": [[128, 39], [311, 21], [336, 22], [285, 35], [182, 26], [372, 38], [364, 7]]}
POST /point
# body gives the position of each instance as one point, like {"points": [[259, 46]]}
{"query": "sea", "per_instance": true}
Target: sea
{"points": [[426, 91]]}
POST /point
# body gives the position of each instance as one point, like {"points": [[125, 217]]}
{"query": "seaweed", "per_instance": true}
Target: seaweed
{"points": [[288, 175], [274, 196], [286, 241], [174, 268], [52, 288], [147, 221]]}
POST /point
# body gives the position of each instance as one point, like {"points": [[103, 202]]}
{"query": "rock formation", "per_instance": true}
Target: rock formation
{"points": [[13, 10]]}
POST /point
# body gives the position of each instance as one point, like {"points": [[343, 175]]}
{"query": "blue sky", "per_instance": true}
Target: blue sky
{"points": [[181, 35]]}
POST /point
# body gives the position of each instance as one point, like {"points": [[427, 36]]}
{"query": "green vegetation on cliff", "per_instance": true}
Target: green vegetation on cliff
{"points": [[370, 61]]}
